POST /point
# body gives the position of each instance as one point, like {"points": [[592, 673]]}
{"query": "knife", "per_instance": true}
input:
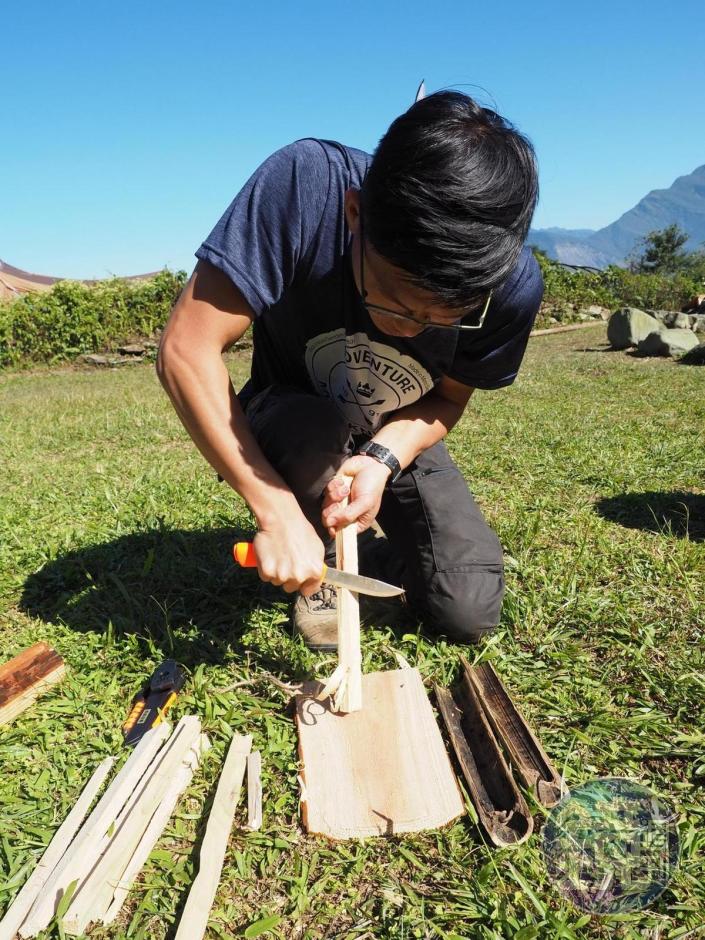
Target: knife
{"points": [[244, 555]]}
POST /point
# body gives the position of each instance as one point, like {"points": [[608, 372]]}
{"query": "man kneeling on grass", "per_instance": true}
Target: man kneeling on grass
{"points": [[382, 291]]}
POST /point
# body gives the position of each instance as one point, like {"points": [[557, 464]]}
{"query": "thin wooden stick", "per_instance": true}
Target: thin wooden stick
{"points": [[20, 907], [345, 684], [94, 894], [566, 329], [80, 856], [254, 790], [194, 919], [349, 654], [156, 827]]}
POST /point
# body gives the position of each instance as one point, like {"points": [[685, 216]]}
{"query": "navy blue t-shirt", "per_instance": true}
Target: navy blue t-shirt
{"points": [[285, 244]]}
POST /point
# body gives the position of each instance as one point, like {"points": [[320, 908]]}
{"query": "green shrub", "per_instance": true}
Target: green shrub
{"points": [[615, 287], [74, 318]]}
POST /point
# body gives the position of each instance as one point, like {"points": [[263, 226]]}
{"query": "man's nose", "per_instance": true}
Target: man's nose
{"points": [[410, 329]]}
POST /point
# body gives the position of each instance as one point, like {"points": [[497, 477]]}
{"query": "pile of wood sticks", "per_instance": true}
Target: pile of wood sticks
{"points": [[88, 868]]}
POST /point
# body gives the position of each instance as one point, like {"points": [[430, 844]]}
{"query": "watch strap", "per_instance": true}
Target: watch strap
{"points": [[383, 455]]}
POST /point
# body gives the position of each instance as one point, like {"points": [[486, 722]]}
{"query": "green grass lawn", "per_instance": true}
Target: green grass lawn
{"points": [[114, 548]]}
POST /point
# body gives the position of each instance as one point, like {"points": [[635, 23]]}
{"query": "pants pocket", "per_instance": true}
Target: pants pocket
{"points": [[459, 537]]}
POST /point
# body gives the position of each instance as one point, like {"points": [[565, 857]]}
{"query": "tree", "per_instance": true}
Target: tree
{"points": [[661, 252]]}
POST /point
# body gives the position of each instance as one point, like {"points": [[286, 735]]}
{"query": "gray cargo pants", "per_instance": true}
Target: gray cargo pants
{"points": [[453, 570]]}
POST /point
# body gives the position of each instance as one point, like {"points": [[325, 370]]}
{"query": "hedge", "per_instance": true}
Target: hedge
{"points": [[74, 318]]}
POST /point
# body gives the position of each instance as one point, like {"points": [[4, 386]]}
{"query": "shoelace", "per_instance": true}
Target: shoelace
{"points": [[327, 596]]}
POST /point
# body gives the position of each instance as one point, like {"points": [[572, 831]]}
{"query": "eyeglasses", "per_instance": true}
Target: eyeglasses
{"points": [[426, 324]]}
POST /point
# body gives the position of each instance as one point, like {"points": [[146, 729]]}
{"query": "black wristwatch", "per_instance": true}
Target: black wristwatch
{"points": [[383, 455]]}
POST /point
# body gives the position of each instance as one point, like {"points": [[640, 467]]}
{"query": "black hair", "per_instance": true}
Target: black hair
{"points": [[449, 196]]}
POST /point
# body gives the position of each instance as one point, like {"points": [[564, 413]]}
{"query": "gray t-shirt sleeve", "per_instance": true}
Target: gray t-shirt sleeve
{"points": [[491, 358], [268, 227]]}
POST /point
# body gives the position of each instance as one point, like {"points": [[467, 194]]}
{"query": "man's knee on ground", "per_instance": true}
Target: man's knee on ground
{"points": [[465, 607]]}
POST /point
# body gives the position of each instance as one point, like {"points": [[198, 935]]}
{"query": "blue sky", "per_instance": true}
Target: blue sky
{"points": [[128, 127]]}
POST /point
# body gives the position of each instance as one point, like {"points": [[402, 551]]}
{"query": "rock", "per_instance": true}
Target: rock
{"points": [[133, 349], [672, 319], [597, 312], [667, 343], [695, 357], [626, 327], [699, 325], [681, 321], [94, 360]]}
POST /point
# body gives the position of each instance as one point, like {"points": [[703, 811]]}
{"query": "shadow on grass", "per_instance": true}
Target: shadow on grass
{"points": [[177, 589], [677, 514]]}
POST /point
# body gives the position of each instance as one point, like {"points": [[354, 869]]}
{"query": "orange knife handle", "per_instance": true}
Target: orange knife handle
{"points": [[244, 554]]}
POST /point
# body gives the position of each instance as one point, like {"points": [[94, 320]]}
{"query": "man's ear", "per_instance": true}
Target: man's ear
{"points": [[352, 210]]}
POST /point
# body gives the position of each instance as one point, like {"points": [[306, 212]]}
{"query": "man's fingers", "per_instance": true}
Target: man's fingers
{"points": [[353, 512]]}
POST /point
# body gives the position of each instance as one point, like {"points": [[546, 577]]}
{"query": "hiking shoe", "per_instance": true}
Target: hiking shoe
{"points": [[316, 619]]}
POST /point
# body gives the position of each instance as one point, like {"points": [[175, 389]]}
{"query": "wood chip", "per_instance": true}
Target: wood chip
{"points": [[254, 790]]}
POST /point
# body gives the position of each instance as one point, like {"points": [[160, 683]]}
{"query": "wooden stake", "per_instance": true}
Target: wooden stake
{"points": [[20, 907], [156, 827], [94, 894], [345, 684], [254, 790], [81, 855], [194, 919]]}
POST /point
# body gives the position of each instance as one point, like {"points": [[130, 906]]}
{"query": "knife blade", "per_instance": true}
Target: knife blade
{"points": [[244, 555]]}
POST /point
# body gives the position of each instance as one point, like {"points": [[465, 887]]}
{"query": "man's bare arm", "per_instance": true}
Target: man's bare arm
{"points": [[417, 427], [209, 317]]}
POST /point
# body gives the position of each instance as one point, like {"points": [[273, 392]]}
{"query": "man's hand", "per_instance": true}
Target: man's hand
{"points": [[365, 492], [290, 553]]}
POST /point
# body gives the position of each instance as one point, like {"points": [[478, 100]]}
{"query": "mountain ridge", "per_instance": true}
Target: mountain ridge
{"points": [[682, 203]]}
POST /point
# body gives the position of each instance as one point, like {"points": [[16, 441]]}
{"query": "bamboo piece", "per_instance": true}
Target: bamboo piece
{"points": [[345, 684], [94, 894], [511, 728], [194, 919], [24, 678], [81, 855], [156, 827], [20, 907], [254, 790], [379, 771], [501, 808]]}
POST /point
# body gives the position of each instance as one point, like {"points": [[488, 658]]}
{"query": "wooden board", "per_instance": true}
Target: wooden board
{"points": [[24, 678], [378, 771]]}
